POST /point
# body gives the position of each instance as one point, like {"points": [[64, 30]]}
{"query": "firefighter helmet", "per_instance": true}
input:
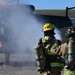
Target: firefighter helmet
{"points": [[70, 32], [48, 26]]}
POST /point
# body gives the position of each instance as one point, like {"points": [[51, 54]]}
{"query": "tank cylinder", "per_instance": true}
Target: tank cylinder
{"points": [[40, 57], [71, 51]]}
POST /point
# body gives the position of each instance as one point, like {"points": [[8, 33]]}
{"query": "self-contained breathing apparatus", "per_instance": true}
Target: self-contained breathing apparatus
{"points": [[70, 66], [42, 56], [70, 35]]}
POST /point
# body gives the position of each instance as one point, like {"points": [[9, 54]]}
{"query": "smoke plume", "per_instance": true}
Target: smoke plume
{"points": [[58, 34], [23, 28]]}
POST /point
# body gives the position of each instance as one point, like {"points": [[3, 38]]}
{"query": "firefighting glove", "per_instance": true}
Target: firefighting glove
{"points": [[67, 66], [47, 68], [40, 70], [71, 67], [62, 60], [44, 70]]}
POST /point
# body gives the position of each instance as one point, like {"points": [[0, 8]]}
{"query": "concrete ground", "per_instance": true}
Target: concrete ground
{"points": [[19, 65], [10, 70]]}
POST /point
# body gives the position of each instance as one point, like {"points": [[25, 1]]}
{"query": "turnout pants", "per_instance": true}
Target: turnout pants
{"points": [[53, 71]]}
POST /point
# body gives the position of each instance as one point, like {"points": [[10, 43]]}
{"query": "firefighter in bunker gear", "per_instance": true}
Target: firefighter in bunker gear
{"points": [[69, 68], [48, 53]]}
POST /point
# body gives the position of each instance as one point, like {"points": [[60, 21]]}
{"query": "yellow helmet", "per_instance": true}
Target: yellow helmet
{"points": [[48, 26]]}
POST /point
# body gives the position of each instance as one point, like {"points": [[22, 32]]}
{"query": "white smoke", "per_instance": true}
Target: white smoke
{"points": [[24, 28], [58, 34], [2, 2]]}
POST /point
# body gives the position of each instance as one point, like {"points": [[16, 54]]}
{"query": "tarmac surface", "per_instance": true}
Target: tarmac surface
{"points": [[10, 70], [17, 66], [20, 64]]}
